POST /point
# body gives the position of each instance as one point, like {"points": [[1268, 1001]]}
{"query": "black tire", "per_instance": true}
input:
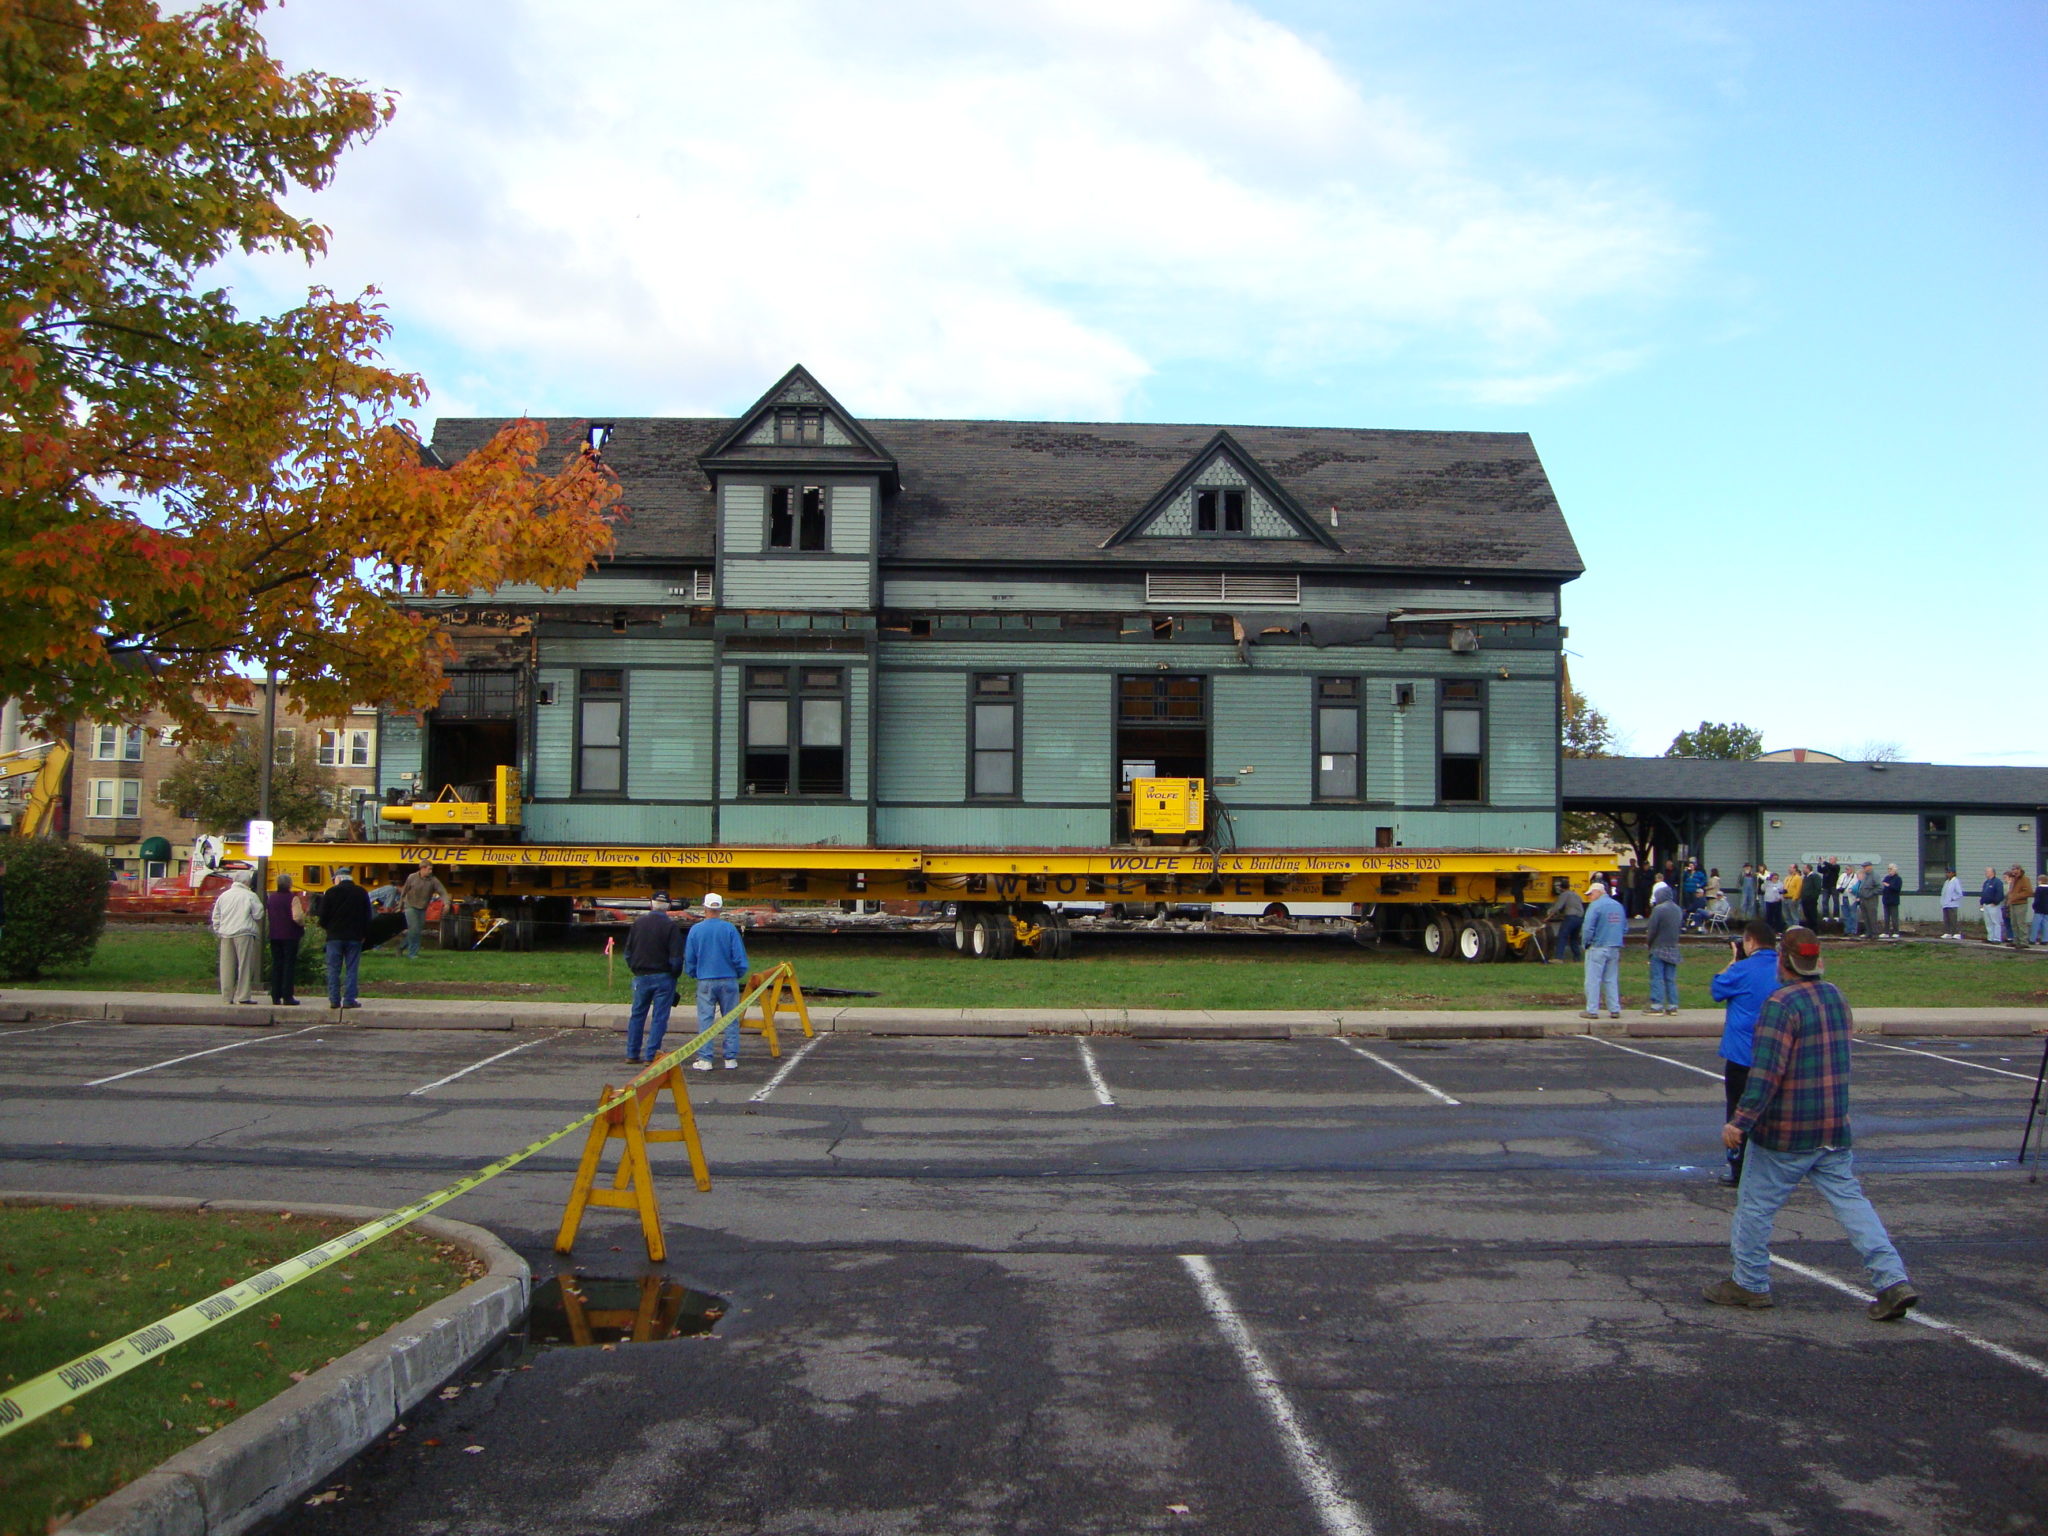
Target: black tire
{"points": [[1432, 937], [452, 927], [1055, 939], [1473, 944], [522, 928], [1276, 909], [992, 937], [963, 933]]}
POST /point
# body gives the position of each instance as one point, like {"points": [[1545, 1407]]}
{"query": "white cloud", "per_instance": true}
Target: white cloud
{"points": [[1003, 210]]}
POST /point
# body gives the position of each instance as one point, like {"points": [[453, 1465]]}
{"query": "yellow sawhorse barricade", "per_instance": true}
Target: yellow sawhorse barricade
{"points": [[628, 1119]]}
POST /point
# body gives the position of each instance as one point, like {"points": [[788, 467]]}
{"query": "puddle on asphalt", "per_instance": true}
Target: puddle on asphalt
{"points": [[586, 1309]]}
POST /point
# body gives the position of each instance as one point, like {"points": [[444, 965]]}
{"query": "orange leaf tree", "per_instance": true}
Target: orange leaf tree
{"points": [[187, 490]]}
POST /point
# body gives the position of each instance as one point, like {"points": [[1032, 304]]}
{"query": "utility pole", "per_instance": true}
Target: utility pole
{"points": [[264, 763]]}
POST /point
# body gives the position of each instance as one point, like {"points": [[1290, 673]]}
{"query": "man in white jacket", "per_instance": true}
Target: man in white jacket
{"points": [[238, 924], [1952, 907]]}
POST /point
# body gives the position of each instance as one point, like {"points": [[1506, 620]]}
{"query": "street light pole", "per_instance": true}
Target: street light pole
{"points": [[263, 769]]}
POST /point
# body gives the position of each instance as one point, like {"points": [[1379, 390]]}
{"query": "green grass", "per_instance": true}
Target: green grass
{"points": [[911, 971], [76, 1277]]}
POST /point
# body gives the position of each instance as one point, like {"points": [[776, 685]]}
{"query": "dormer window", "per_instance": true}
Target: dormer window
{"points": [[803, 425], [796, 517], [1219, 511]]}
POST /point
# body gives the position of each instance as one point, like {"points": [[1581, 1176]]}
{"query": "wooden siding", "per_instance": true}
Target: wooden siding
{"points": [[1521, 743], [1881, 837], [1993, 840], [1476, 829], [688, 825], [992, 826], [744, 508], [922, 720], [760, 823], [1729, 844], [795, 582], [401, 749], [554, 736], [669, 735], [989, 594], [1069, 733], [852, 522], [627, 650], [1264, 735]]}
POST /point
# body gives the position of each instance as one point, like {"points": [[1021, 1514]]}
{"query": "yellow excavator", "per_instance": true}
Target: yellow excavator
{"points": [[32, 787]]}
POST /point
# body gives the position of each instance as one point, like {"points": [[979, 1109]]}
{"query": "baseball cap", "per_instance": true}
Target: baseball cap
{"points": [[713, 901], [1799, 948]]}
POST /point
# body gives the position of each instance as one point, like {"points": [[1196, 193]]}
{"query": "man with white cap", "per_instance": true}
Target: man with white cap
{"points": [[237, 921], [716, 959], [1605, 930]]}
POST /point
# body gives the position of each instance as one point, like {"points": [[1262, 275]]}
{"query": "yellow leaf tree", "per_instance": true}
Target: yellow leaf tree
{"points": [[187, 490]]}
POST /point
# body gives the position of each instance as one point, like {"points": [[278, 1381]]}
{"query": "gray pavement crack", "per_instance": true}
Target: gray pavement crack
{"points": [[228, 1130]]}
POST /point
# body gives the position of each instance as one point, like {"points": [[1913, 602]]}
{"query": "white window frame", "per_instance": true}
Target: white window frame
{"points": [[106, 802]]}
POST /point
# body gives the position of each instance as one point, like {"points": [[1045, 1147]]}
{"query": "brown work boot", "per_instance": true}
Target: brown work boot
{"points": [[1893, 1303], [1726, 1293]]}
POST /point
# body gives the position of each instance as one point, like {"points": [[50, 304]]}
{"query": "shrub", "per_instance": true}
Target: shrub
{"points": [[56, 896]]}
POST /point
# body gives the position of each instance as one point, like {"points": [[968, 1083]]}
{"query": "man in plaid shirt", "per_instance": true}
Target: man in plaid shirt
{"points": [[1794, 1110]]}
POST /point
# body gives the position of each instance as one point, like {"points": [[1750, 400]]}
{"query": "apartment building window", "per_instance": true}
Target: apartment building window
{"points": [[995, 736], [1219, 511], [110, 798], [346, 748], [284, 747], [1337, 738], [117, 743], [796, 517], [802, 424], [795, 731], [601, 732], [1461, 743]]}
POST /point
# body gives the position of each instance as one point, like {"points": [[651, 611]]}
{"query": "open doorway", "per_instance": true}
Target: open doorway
{"points": [[1162, 732], [472, 731]]}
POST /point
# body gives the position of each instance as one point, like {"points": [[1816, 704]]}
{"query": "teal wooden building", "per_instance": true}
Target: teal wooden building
{"points": [[817, 629]]}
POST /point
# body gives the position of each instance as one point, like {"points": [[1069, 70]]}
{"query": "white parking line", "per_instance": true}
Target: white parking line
{"points": [[787, 1067], [475, 1065], [1102, 1094], [1669, 1061], [2009, 1356], [2025, 1077], [1374, 1056], [209, 1051], [1311, 1464], [40, 1028]]}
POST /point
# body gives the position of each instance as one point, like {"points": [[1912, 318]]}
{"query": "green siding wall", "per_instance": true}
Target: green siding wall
{"points": [[1476, 829], [922, 721], [1808, 835], [744, 510], [852, 523], [993, 826], [1069, 734], [769, 581], [554, 736], [669, 735], [758, 823], [1263, 733], [401, 749], [1521, 743], [1993, 840], [688, 825], [627, 650]]}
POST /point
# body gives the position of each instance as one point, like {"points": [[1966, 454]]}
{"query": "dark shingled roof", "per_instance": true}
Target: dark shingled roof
{"points": [[1590, 782], [1054, 492]]}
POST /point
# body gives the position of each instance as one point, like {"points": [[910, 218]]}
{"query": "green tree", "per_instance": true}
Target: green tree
{"points": [[185, 487], [1587, 732], [218, 782], [1728, 741], [56, 906]]}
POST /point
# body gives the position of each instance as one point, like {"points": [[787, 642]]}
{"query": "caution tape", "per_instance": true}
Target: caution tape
{"points": [[50, 1391]]}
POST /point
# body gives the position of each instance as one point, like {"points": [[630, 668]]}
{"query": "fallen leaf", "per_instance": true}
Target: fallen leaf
{"points": [[1177, 1509], [298, 1375], [324, 1498], [448, 1394], [472, 1450], [82, 1441]]}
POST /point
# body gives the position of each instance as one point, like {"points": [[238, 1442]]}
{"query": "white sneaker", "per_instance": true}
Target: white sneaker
{"points": [[732, 1063], [700, 1065]]}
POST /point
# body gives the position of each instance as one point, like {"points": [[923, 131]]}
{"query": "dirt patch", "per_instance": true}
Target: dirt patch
{"points": [[463, 989]]}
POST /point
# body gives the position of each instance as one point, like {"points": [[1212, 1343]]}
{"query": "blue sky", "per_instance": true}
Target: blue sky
{"points": [[1763, 281]]}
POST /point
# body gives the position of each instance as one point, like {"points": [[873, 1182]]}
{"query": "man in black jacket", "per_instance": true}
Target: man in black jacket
{"points": [[344, 915], [654, 954]]}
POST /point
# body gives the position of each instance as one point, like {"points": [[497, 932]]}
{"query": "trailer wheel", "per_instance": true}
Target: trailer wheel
{"points": [[1435, 933], [1055, 937], [452, 927], [991, 937], [963, 933], [1478, 942], [522, 929], [1496, 939]]}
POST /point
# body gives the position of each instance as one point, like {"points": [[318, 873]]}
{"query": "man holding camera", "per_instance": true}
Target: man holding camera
{"points": [[1749, 980]]}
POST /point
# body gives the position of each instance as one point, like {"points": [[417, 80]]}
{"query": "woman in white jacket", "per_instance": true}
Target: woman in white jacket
{"points": [[1952, 907], [237, 922]]}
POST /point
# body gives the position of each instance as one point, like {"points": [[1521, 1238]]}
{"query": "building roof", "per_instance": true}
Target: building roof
{"points": [[1594, 782], [1058, 492]]}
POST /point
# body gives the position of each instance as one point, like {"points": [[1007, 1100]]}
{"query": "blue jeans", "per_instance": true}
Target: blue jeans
{"points": [[1663, 983], [415, 925], [1568, 945], [2040, 930], [716, 998], [1850, 912], [654, 992], [1768, 1179], [1603, 974], [344, 959]]}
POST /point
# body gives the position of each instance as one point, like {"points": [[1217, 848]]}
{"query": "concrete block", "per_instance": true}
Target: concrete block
{"points": [[1035, 1021], [1531, 1031], [1372, 1026], [900, 1021], [614, 1019], [13, 1013], [157, 1503], [234, 1015]]}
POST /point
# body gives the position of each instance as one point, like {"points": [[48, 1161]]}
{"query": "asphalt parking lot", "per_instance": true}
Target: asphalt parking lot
{"points": [[1041, 1285]]}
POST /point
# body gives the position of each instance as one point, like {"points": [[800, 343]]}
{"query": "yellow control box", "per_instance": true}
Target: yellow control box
{"points": [[1167, 805]]}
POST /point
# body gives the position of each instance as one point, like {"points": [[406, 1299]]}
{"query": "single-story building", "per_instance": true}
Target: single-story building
{"points": [[1927, 818]]}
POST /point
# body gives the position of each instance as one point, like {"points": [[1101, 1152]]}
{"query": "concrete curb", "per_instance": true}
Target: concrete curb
{"points": [[255, 1468], [1150, 1023]]}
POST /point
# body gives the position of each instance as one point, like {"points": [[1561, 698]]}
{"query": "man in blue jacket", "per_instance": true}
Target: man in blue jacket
{"points": [[1743, 986], [1606, 928], [716, 958]]}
